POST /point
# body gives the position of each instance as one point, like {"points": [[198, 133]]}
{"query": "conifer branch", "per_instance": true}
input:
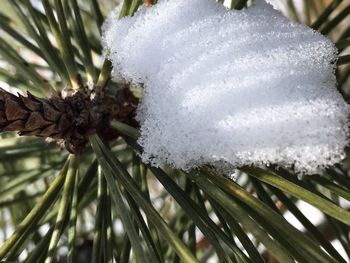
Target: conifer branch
{"points": [[68, 120]]}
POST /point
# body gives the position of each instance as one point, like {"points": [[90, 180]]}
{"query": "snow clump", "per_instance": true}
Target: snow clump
{"points": [[245, 87]]}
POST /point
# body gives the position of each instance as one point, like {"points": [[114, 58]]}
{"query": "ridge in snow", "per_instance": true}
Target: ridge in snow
{"points": [[243, 87]]}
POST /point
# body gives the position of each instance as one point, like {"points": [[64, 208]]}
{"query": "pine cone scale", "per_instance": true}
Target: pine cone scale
{"points": [[14, 126], [36, 121], [4, 95], [50, 113], [49, 131], [29, 103], [29, 133], [3, 119], [14, 111]]}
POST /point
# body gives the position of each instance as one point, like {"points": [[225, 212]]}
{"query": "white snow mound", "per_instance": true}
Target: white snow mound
{"points": [[243, 87]]}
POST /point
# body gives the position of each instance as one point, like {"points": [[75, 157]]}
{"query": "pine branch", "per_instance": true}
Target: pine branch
{"points": [[67, 120]]}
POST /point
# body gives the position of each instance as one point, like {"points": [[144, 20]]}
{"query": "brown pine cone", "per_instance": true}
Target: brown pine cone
{"points": [[70, 120]]}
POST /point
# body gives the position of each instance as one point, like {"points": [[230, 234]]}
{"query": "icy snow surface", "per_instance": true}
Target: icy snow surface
{"points": [[242, 87]]}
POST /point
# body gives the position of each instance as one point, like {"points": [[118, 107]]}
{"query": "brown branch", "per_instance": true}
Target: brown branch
{"points": [[68, 120]]}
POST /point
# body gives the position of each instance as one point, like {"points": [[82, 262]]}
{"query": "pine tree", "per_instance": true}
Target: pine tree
{"points": [[71, 175]]}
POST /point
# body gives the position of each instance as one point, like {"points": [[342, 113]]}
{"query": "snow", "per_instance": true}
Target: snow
{"points": [[243, 87]]}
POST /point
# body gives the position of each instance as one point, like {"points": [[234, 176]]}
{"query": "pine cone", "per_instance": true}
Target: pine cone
{"points": [[70, 120]]}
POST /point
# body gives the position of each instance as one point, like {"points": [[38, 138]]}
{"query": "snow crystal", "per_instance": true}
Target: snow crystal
{"points": [[243, 87]]}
